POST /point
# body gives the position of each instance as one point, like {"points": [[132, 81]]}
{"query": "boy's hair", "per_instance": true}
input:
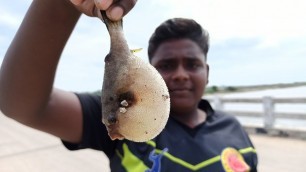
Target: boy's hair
{"points": [[179, 28]]}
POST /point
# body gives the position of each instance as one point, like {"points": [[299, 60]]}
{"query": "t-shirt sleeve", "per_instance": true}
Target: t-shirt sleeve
{"points": [[95, 135]]}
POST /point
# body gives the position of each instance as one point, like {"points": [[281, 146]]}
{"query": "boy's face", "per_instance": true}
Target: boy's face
{"points": [[182, 64]]}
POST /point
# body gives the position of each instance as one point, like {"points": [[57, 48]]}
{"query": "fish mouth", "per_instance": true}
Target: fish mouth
{"points": [[113, 132]]}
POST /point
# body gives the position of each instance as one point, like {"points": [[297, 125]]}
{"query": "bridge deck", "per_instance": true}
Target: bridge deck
{"points": [[24, 149]]}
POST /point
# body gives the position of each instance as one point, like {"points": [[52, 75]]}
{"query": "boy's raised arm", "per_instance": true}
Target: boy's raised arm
{"points": [[28, 69], [29, 66]]}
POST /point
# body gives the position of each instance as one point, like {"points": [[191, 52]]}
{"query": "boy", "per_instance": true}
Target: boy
{"points": [[197, 137]]}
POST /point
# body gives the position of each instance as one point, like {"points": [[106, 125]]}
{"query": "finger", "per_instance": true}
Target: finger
{"points": [[77, 2], [103, 4], [120, 9]]}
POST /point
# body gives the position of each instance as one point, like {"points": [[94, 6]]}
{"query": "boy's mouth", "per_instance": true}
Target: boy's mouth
{"points": [[183, 90]]}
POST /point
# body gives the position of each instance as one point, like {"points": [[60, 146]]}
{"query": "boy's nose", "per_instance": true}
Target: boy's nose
{"points": [[180, 74]]}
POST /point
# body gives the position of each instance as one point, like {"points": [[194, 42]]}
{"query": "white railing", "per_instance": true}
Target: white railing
{"points": [[268, 113]]}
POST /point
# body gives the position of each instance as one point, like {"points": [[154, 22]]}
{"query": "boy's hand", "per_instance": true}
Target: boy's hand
{"points": [[115, 9]]}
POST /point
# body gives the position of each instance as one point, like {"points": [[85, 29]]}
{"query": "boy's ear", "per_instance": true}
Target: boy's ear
{"points": [[207, 71]]}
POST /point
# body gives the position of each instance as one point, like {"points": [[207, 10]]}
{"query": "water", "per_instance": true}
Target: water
{"points": [[293, 92]]}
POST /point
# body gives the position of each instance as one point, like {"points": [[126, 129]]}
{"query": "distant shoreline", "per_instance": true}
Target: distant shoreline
{"points": [[234, 89]]}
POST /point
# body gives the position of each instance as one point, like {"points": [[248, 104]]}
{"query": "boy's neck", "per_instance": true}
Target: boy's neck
{"points": [[192, 118]]}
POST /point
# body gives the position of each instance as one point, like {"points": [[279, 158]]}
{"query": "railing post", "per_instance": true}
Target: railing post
{"points": [[218, 103], [269, 116]]}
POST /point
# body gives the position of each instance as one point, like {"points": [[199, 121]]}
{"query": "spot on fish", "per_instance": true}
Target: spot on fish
{"points": [[124, 103], [165, 97], [122, 110]]}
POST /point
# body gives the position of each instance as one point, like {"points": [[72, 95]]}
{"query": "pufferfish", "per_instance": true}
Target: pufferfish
{"points": [[135, 99]]}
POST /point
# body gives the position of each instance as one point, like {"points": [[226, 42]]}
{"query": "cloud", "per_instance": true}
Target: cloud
{"points": [[9, 20], [252, 42], [272, 21], [240, 62]]}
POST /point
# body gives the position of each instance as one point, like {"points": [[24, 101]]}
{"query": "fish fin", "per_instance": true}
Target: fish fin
{"points": [[136, 50]]}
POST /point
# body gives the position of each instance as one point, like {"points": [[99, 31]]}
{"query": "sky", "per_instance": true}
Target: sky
{"points": [[252, 42]]}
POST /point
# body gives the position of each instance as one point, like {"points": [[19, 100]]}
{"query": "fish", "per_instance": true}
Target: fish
{"points": [[135, 98]]}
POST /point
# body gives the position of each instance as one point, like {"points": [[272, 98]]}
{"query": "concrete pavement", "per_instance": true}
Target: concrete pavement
{"points": [[23, 149]]}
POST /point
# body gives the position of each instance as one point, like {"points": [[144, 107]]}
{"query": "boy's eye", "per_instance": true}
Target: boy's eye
{"points": [[165, 66], [194, 65]]}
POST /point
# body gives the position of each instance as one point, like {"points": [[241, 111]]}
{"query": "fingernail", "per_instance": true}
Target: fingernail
{"points": [[116, 13], [101, 4]]}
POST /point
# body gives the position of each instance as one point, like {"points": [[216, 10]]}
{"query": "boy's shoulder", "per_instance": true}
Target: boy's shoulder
{"points": [[216, 115]]}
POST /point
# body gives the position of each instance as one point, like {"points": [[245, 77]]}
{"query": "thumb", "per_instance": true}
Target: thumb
{"points": [[120, 9]]}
